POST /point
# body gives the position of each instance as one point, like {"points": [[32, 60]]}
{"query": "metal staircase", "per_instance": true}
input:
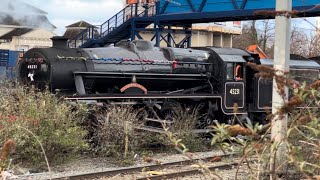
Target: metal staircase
{"points": [[117, 28]]}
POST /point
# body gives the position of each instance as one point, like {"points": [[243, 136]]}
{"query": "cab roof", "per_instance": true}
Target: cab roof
{"points": [[294, 63]]}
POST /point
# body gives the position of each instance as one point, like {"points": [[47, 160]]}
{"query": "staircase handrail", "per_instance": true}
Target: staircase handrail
{"points": [[130, 11]]}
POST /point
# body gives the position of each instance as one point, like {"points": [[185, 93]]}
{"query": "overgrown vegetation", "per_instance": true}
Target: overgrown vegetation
{"points": [[302, 140], [31, 119], [41, 125], [184, 122], [116, 132]]}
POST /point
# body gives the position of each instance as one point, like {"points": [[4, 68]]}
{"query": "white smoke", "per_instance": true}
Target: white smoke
{"points": [[16, 12]]}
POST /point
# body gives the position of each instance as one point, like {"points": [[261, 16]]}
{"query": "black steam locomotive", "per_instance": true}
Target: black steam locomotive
{"points": [[217, 79]]}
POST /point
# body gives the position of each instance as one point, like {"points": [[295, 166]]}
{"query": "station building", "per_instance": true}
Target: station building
{"points": [[23, 26]]}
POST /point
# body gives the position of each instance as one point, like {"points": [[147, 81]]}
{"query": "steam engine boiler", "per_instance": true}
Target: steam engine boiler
{"points": [[215, 79]]}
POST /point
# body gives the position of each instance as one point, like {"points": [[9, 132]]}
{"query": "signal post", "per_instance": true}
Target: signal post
{"points": [[281, 63]]}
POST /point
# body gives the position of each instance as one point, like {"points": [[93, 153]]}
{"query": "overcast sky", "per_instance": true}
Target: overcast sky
{"points": [[65, 12]]}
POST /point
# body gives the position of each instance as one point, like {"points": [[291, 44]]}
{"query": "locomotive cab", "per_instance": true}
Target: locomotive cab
{"points": [[234, 82], [230, 69]]}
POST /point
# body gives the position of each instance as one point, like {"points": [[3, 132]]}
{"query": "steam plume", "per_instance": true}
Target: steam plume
{"points": [[18, 13]]}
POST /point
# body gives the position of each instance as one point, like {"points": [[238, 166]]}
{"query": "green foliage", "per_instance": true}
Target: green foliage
{"points": [[300, 147], [304, 131], [221, 137], [54, 122], [226, 136]]}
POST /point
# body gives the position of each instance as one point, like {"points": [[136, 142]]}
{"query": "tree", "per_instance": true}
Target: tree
{"points": [[260, 33], [303, 43], [299, 42], [248, 37], [314, 45], [266, 35]]}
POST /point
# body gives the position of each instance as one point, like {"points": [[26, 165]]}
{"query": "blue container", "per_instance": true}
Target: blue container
{"points": [[4, 57], [13, 58], [8, 63]]}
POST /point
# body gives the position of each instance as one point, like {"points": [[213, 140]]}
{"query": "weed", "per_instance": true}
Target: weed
{"points": [[52, 123], [115, 131]]}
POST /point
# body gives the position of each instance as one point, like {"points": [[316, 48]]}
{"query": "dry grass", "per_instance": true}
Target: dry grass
{"points": [[185, 120], [115, 131], [33, 118]]}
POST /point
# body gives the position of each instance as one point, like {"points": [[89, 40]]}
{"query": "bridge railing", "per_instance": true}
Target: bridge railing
{"points": [[96, 32]]}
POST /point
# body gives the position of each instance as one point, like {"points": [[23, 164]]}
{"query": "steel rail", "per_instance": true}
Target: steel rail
{"points": [[187, 172], [131, 170]]}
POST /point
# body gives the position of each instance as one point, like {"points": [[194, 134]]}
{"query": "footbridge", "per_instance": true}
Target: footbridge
{"points": [[161, 16]]}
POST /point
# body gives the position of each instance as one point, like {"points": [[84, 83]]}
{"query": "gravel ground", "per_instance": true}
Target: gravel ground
{"points": [[90, 165]]}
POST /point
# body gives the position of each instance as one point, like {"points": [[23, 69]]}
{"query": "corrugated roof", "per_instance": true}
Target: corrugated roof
{"points": [[16, 32], [229, 51], [232, 58], [79, 24], [71, 33], [294, 63]]}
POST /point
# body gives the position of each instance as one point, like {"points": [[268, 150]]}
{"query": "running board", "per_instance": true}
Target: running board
{"points": [[160, 130], [144, 96]]}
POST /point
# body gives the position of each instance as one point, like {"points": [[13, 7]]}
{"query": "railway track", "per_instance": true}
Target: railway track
{"points": [[155, 167]]}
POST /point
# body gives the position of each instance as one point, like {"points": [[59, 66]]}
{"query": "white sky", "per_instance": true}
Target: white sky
{"points": [[62, 13], [65, 12]]}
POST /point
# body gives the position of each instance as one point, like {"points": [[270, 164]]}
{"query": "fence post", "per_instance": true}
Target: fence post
{"points": [[92, 32], [101, 30], [116, 21], [157, 7], [108, 27], [136, 9], [82, 39]]}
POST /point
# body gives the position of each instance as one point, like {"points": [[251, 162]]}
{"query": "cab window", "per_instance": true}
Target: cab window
{"points": [[234, 71], [230, 72], [238, 71]]}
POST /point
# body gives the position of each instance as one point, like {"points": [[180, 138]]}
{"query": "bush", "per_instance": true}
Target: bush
{"points": [[303, 136], [185, 121], [115, 132], [300, 147], [28, 115]]}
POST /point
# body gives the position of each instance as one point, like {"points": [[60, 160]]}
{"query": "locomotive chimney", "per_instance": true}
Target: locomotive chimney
{"points": [[59, 42]]}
